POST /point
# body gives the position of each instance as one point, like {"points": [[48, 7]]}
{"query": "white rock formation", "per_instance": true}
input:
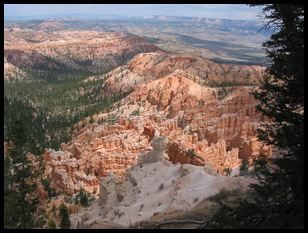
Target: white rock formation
{"points": [[150, 188]]}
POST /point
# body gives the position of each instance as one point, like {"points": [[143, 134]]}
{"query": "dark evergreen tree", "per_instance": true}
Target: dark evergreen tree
{"points": [[281, 99], [84, 201], [281, 95], [19, 174], [65, 219]]}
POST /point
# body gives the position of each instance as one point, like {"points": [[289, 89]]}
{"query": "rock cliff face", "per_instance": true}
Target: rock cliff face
{"points": [[71, 50], [146, 67], [196, 127], [95, 152]]}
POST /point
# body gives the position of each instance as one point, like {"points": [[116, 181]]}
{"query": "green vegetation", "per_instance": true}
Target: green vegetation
{"points": [[51, 224], [222, 195], [135, 112], [83, 198], [51, 106], [46, 184], [19, 175], [244, 167], [222, 93], [64, 215], [112, 119], [40, 113], [228, 171], [232, 208], [41, 218], [191, 153]]}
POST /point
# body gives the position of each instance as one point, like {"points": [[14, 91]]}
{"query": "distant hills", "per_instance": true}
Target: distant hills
{"points": [[221, 40], [209, 21]]}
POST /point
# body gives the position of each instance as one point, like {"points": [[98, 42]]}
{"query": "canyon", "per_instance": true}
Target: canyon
{"points": [[69, 50], [174, 130], [198, 128]]}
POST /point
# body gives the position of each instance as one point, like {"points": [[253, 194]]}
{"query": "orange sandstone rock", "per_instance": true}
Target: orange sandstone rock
{"points": [[198, 129]]}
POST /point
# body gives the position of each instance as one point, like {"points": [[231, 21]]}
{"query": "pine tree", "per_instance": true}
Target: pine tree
{"points": [[64, 215], [84, 201], [281, 97], [19, 172]]}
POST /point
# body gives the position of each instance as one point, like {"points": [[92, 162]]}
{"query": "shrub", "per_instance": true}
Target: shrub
{"points": [[51, 224], [84, 201], [244, 167], [76, 201], [135, 113], [220, 196], [191, 153], [64, 215], [112, 120], [228, 171], [222, 93], [46, 184]]}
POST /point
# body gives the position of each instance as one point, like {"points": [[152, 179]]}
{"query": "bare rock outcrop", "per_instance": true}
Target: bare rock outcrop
{"points": [[146, 67], [182, 120], [157, 153], [94, 51], [184, 187]]}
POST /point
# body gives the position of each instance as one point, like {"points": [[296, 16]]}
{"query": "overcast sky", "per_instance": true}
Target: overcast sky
{"points": [[228, 11]]}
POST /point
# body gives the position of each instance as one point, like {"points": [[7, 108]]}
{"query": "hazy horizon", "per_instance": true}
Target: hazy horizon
{"points": [[43, 11]]}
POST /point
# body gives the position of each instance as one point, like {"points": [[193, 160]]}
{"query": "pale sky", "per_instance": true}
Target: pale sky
{"points": [[227, 11]]}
